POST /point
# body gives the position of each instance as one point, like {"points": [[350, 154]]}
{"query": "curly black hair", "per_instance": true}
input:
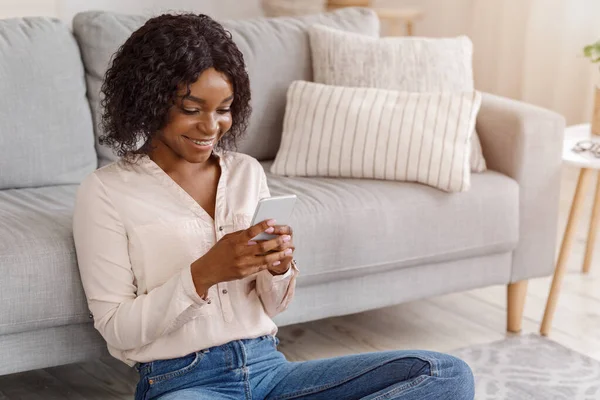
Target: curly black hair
{"points": [[168, 52]]}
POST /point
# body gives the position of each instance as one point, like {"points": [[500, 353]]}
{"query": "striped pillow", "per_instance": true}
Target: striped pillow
{"points": [[412, 64], [378, 134]]}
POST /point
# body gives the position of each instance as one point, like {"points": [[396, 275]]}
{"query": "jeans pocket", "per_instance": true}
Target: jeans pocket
{"points": [[164, 370]]}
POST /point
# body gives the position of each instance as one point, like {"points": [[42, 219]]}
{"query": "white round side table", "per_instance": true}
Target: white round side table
{"points": [[587, 162]]}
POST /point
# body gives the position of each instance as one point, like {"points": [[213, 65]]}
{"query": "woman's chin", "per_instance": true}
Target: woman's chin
{"points": [[197, 157]]}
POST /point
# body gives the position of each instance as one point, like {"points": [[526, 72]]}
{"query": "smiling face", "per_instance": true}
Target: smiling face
{"points": [[198, 120]]}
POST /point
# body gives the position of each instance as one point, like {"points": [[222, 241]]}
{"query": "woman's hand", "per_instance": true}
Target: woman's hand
{"points": [[282, 266], [235, 256]]}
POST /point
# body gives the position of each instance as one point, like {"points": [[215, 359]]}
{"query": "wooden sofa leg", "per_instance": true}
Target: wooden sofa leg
{"points": [[516, 294]]}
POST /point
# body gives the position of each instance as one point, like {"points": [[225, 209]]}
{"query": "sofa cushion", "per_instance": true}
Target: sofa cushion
{"points": [[343, 228], [40, 285], [276, 52], [46, 134], [358, 132], [411, 64], [349, 227]]}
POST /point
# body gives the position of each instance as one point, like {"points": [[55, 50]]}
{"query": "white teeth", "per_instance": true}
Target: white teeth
{"points": [[203, 143]]}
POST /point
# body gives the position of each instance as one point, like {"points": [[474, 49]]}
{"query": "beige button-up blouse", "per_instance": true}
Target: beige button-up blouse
{"points": [[137, 232]]}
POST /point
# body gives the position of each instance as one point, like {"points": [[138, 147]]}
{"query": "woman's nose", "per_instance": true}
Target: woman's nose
{"points": [[210, 126]]}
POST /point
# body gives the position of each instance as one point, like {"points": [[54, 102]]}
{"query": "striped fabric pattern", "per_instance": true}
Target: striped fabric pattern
{"points": [[411, 64], [373, 133]]}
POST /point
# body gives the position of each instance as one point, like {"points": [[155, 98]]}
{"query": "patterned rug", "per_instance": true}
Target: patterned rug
{"points": [[531, 367]]}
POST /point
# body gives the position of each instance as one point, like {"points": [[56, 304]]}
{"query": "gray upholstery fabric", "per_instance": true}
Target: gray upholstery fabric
{"points": [[276, 52], [525, 142], [351, 227], [46, 135], [381, 289], [80, 342], [49, 347], [40, 285], [99, 35]]}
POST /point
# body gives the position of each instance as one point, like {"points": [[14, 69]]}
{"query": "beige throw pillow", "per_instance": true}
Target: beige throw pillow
{"points": [[378, 134], [396, 63]]}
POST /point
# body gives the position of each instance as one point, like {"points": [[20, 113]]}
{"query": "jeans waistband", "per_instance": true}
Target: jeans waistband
{"points": [[146, 367]]}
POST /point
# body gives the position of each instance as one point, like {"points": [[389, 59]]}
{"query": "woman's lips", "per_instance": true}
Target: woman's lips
{"points": [[201, 144]]}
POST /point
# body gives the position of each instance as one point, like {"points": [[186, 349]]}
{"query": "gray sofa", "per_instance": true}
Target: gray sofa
{"points": [[362, 244]]}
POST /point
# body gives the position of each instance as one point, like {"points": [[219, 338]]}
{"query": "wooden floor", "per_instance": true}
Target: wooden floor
{"points": [[443, 323]]}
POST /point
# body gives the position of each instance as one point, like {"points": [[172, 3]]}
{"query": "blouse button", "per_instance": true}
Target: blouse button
{"points": [[221, 228], [224, 291]]}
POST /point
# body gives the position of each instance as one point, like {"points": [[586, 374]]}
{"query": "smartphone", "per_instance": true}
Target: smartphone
{"points": [[278, 208]]}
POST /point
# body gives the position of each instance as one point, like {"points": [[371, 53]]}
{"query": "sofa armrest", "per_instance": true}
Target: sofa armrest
{"points": [[525, 142]]}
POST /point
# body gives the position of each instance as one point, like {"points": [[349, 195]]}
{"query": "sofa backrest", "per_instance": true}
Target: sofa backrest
{"points": [[276, 52], [45, 121]]}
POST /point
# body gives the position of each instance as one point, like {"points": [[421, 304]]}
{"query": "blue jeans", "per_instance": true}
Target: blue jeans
{"points": [[254, 369]]}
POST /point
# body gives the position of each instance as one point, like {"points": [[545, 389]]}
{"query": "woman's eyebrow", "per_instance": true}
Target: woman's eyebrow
{"points": [[202, 101]]}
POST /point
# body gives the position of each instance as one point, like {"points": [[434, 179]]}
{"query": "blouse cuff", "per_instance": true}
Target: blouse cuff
{"points": [[267, 281], [189, 288]]}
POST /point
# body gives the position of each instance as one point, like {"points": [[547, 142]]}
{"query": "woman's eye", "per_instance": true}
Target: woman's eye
{"points": [[189, 110], [224, 110]]}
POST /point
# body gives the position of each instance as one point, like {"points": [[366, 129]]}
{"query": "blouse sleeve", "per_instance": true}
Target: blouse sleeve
{"points": [[124, 318]]}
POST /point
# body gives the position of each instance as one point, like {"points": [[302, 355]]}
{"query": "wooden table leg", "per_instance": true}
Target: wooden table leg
{"points": [[515, 303], [591, 239], [561, 265], [409, 28]]}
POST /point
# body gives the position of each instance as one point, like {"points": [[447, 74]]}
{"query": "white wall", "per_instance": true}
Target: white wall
{"points": [[220, 9], [27, 8], [66, 9], [441, 17]]}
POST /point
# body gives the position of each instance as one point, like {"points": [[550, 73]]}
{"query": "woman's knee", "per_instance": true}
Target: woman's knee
{"points": [[449, 375], [457, 382], [461, 377]]}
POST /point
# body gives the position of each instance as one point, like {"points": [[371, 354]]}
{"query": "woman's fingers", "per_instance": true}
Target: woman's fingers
{"points": [[271, 261], [255, 260], [280, 256], [264, 226], [257, 268], [283, 266], [283, 230], [266, 246], [258, 255]]}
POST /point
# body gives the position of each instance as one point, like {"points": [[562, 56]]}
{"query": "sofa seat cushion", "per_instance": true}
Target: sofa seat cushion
{"points": [[40, 285], [350, 227]]}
